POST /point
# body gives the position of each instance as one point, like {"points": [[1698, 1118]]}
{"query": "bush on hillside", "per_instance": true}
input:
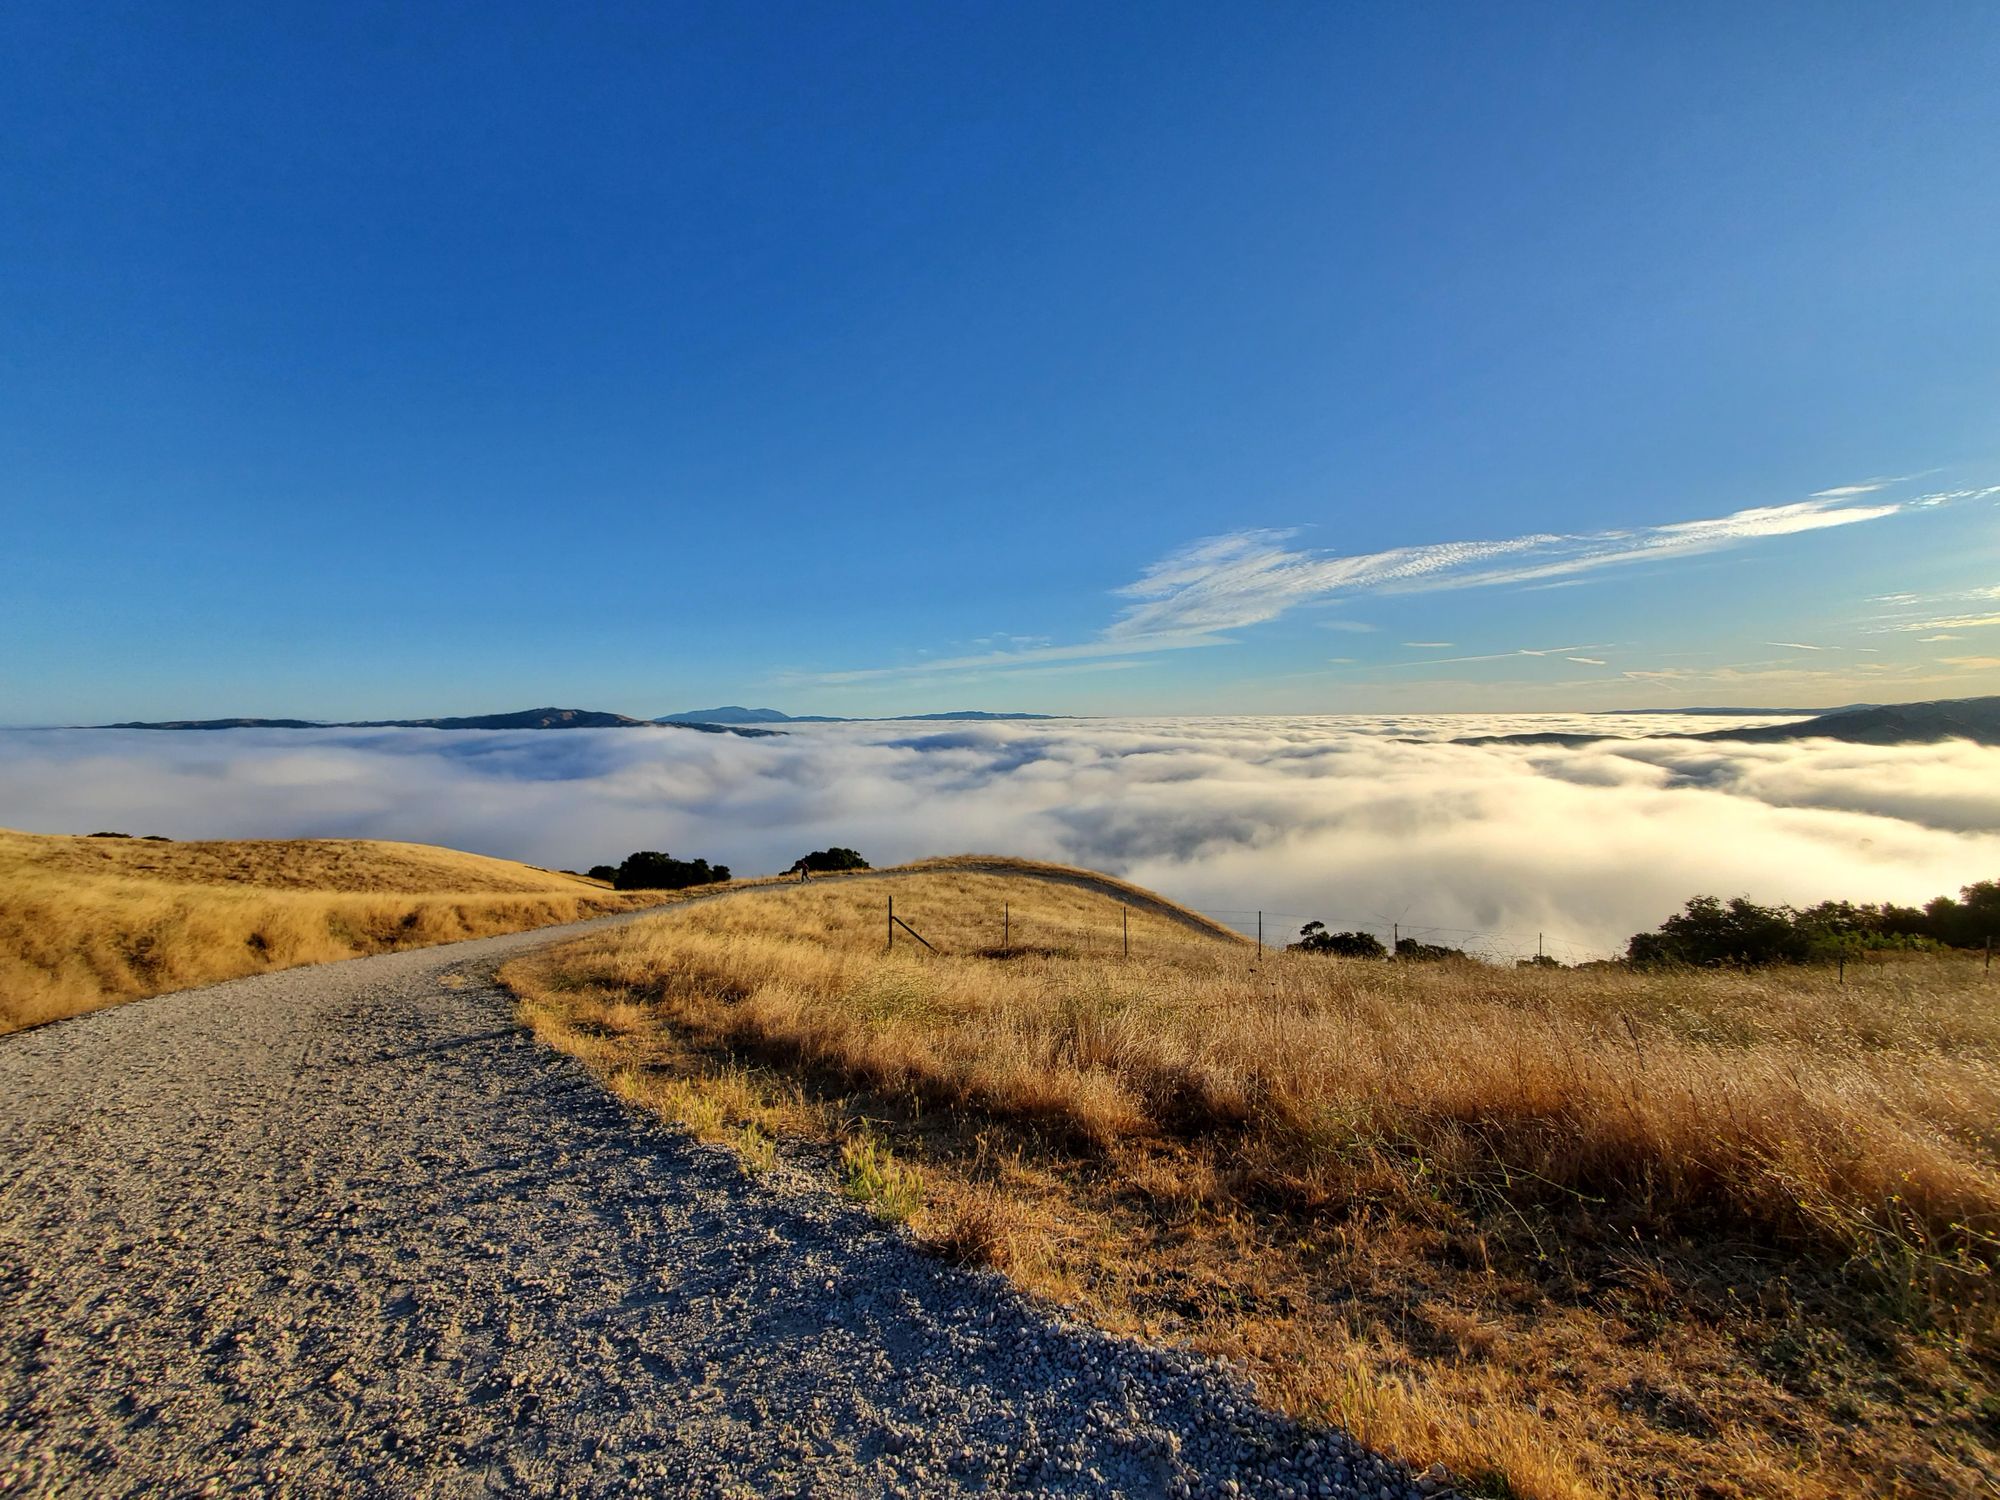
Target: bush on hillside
{"points": [[835, 858], [1411, 949], [1314, 938], [1969, 922], [1710, 932], [652, 870]]}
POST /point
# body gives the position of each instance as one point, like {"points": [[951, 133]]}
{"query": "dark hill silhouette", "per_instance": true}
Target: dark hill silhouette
{"points": [[737, 714], [527, 718], [1975, 719]]}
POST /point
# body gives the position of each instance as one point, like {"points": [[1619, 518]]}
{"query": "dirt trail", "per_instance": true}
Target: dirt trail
{"points": [[347, 1230]]}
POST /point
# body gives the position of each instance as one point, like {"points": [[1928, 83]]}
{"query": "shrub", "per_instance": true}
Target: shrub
{"points": [[1971, 920], [835, 858], [1314, 938], [652, 870], [1410, 948], [1710, 932]]}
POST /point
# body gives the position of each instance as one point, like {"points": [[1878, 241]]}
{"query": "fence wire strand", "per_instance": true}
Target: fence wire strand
{"points": [[1280, 929]]}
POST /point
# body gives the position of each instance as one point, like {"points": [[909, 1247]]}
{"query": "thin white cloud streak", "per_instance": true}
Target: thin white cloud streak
{"points": [[990, 661], [1195, 596], [1445, 661], [1948, 622], [1328, 818]]}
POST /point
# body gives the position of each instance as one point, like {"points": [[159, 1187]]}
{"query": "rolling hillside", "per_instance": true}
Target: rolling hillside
{"points": [[88, 922], [1577, 1234]]}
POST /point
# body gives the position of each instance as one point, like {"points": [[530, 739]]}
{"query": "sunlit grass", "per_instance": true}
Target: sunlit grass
{"points": [[1578, 1232], [88, 922]]}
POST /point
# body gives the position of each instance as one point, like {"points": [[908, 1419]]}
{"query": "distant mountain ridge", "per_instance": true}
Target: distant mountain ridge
{"points": [[732, 719], [1926, 723], [527, 718], [737, 714], [1741, 713]]}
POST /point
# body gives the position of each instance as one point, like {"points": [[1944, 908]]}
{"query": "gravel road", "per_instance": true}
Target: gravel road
{"points": [[346, 1230]]}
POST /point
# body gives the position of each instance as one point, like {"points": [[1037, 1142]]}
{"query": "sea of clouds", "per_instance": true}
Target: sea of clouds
{"points": [[1360, 821]]}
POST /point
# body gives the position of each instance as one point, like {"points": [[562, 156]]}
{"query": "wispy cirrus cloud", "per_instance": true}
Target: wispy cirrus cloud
{"points": [[1949, 622], [1447, 661], [1198, 594]]}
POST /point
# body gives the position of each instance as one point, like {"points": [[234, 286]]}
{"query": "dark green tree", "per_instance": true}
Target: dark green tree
{"points": [[1710, 932], [835, 858], [651, 870], [1969, 922], [1410, 948], [1314, 938]]}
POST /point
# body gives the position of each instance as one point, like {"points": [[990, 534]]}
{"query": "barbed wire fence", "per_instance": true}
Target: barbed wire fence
{"points": [[1008, 932], [1281, 928]]}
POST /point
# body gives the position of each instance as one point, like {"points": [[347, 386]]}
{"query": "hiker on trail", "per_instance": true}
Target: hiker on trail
{"points": [[804, 871]]}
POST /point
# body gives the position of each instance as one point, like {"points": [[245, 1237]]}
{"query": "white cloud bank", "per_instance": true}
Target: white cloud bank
{"points": [[1329, 818]]}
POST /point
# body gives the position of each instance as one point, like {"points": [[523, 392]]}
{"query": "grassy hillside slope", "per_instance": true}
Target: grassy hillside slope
{"points": [[87, 922], [1573, 1233]]}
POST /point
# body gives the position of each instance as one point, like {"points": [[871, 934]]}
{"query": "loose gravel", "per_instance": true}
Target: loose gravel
{"points": [[347, 1230]]}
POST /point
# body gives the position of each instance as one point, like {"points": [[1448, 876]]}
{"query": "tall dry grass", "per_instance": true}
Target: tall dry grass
{"points": [[1858, 1118], [88, 922], [1604, 1122]]}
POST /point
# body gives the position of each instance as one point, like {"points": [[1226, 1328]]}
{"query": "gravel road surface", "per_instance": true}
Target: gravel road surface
{"points": [[346, 1230]]}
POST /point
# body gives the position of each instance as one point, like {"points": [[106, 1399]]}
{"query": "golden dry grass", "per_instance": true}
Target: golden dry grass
{"points": [[1579, 1233], [88, 922]]}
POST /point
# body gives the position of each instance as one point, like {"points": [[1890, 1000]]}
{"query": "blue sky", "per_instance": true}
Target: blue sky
{"points": [[378, 360]]}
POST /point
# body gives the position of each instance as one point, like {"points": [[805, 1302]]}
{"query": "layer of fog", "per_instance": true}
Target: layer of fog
{"points": [[1346, 820]]}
